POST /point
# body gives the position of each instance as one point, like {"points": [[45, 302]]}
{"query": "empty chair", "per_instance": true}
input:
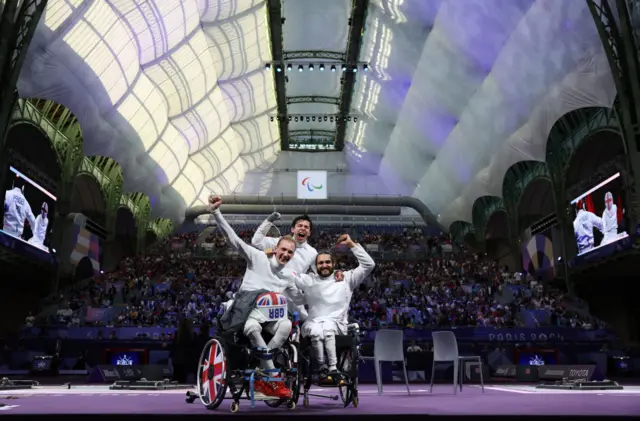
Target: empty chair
{"points": [[388, 346], [445, 349]]}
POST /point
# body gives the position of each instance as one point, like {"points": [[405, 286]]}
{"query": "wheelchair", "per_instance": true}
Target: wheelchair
{"points": [[348, 351], [228, 364]]}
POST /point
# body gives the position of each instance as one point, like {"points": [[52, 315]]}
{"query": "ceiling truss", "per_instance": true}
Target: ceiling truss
{"points": [[356, 32]]}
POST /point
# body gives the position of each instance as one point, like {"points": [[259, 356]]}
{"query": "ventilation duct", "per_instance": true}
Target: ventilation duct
{"points": [[315, 210], [343, 201]]}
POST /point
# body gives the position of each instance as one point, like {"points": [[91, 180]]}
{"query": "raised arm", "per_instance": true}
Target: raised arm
{"points": [[366, 264], [260, 239], [236, 242]]}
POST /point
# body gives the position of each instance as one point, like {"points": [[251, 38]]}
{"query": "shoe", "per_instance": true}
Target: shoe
{"points": [[281, 390], [272, 389], [262, 388]]}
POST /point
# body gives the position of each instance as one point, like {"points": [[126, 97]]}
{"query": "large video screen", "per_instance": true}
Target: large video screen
{"points": [[599, 215], [28, 210]]}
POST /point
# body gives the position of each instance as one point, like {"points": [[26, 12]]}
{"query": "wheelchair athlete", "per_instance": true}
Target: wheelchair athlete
{"points": [[258, 304], [328, 301]]}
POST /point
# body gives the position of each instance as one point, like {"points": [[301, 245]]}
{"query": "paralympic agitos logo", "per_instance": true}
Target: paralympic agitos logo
{"points": [[307, 183]]}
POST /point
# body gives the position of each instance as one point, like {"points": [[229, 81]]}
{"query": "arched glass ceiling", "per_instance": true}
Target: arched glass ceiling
{"points": [[173, 90], [461, 90]]}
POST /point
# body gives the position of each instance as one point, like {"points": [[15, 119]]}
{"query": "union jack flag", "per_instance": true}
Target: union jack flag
{"points": [[213, 374], [269, 299]]}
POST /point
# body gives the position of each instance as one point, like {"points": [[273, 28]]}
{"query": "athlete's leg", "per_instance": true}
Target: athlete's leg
{"points": [[314, 332], [253, 331], [280, 331]]}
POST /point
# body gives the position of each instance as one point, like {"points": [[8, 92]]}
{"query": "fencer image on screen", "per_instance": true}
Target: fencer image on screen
{"points": [[599, 215], [27, 210]]}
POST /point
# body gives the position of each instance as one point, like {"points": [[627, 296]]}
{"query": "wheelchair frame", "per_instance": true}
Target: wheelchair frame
{"points": [[231, 370], [348, 390]]}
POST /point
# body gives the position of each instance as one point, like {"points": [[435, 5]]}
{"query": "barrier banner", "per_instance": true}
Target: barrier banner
{"points": [[570, 372], [481, 334], [112, 373], [506, 371]]}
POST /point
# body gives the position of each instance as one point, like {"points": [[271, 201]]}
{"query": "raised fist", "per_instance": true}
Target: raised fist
{"points": [[275, 216], [345, 239], [214, 202]]}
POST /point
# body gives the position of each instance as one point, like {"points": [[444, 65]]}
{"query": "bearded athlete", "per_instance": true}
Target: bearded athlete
{"points": [[261, 277], [328, 301], [609, 220]]}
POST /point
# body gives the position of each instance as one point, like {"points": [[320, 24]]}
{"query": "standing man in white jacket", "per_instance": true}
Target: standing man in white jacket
{"points": [[40, 228], [16, 210], [328, 300]]}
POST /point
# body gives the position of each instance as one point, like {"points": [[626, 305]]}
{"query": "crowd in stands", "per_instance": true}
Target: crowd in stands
{"points": [[441, 288]]}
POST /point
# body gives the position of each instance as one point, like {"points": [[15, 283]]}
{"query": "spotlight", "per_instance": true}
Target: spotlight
{"points": [[267, 66], [344, 67], [271, 118], [333, 68], [325, 118], [300, 68], [355, 69], [355, 119], [296, 119], [322, 67], [278, 69], [289, 118], [308, 119], [278, 118], [313, 119], [288, 67], [331, 119], [365, 68], [311, 67], [349, 118]]}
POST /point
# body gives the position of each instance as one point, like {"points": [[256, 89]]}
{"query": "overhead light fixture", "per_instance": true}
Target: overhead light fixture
{"points": [[288, 67], [308, 119], [365, 68], [311, 67], [278, 69], [271, 118], [296, 119], [344, 67], [322, 67], [313, 118], [355, 119], [267, 66], [333, 68], [355, 69], [300, 68], [325, 118]]}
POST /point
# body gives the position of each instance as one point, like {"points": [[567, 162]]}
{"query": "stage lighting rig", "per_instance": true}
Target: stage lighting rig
{"points": [[289, 66], [319, 118]]}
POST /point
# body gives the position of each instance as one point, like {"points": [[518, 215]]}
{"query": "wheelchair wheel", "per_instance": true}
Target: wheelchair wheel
{"points": [[287, 362], [213, 373], [349, 366]]}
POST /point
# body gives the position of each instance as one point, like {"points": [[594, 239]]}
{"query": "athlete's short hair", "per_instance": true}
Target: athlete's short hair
{"points": [[303, 217]]}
